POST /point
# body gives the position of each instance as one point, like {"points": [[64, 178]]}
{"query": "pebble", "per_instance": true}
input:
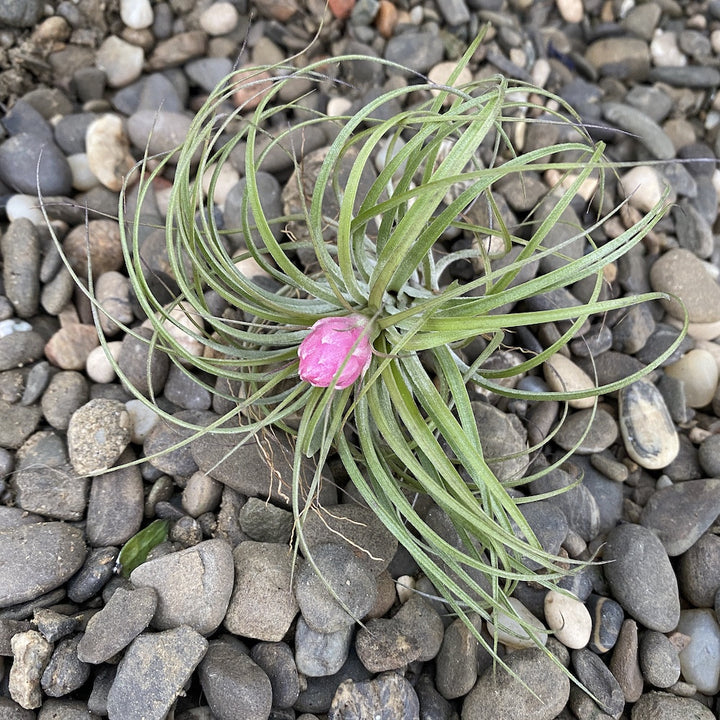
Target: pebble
{"points": [[95, 246], [277, 661], [659, 659], [96, 572], [387, 697], [607, 621], [646, 130], [352, 580], [37, 558], [193, 586], [121, 61], [624, 663], [21, 14], [153, 673], [634, 329], [318, 654], [418, 51], [233, 684], [107, 147], [219, 18], [665, 706], [29, 164], [568, 618], [563, 375], [620, 57], [263, 522], [700, 660], [457, 661], [145, 370], [115, 507], [70, 346], [509, 631], [641, 577], [20, 246], [699, 571], [66, 392], [537, 689], [64, 673], [20, 347], [693, 231], [601, 433], [98, 366], [202, 494], [679, 272], [698, 372], [97, 434], [31, 653], [136, 14], [679, 514], [143, 419], [647, 430], [262, 605], [600, 682], [20, 423]]}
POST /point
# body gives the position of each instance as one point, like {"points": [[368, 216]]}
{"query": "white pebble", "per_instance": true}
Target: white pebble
{"points": [[24, 206], [698, 372], [142, 420], [182, 323], [338, 106], [511, 633], [227, 178], [569, 618], [108, 151], [563, 375], [571, 11], [83, 177], [121, 61], [440, 74], [664, 50], [645, 186], [405, 585], [12, 325], [219, 19], [136, 14], [98, 365], [700, 660]]}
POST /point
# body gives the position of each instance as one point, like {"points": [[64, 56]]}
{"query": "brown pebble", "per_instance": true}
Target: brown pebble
{"points": [[101, 240], [386, 19], [341, 9], [252, 85], [70, 346], [178, 50], [624, 664]]}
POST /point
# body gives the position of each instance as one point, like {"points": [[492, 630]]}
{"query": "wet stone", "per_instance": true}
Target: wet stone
{"points": [[648, 432], [641, 577], [388, 697], [233, 684], [125, 615], [318, 654], [38, 558], [193, 586], [350, 577], [679, 514], [153, 672], [607, 620], [277, 661], [262, 605], [659, 659]]}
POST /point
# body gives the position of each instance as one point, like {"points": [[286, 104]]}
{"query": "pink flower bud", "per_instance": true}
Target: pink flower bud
{"points": [[325, 349]]}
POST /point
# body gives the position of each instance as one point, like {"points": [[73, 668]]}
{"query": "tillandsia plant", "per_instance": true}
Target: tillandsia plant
{"points": [[358, 340]]}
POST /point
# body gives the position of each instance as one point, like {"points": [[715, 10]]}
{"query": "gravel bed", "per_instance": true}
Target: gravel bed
{"points": [[221, 621]]}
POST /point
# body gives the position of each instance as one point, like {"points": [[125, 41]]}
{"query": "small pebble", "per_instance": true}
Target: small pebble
{"points": [[569, 618], [563, 375], [136, 14], [698, 372], [121, 61], [219, 18]]}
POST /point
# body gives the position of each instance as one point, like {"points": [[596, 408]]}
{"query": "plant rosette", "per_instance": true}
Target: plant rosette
{"points": [[352, 334]]}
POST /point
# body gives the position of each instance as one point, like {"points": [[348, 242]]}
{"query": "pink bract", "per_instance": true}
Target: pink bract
{"points": [[325, 349]]}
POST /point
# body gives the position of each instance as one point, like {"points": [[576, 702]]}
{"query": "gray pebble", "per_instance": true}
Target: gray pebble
{"points": [[262, 605], [56, 294], [20, 246], [153, 673], [65, 672], [20, 348], [264, 522], [648, 132], [418, 51], [208, 72], [709, 455], [29, 163], [70, 131], [699, 571], [641, 577], [318, 654], [387, 697], [63, 709], [607, 619], [659, 659], [456, 663], [133, 362], [663, 337], [38, 558], [595, 676], [270, 200], [23, 117], [602, 432], [681, 513], [201, 494], [688, 76], [277, 661], [98, 433], [193, 586], [21, 13], [233, 684], [67, 391], [693, 231], [125, 615], [10, 710], [54, 626], [635, 326], [537, 690], [94, 574], [159, 131], [501, 435], [432, 704], [115, 507], [185, 391], [665, 706]]}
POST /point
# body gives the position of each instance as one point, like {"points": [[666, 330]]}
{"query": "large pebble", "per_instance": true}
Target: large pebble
{"points": [[596, 677], [679, 514], [96, 245], [534, 688], [599, 428], [678, 272], [388, 697], [641, 577], [193, 586], [457, 661], [665, 706], [647, 131], [115, 507], [121, 61], [698, 372], [262, 604], [700, 660], [153, 672], [235, 687], [276, 659], [647, 430], [30, 164], [417, 51], [563, 375], [569, 619], [159, 131], [699, 571], [38, 558], [97, 435], [108, 151]]}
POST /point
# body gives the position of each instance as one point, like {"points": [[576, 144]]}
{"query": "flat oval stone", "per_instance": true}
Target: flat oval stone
{"points": [[700, 660], [569, 618], [597, 678], [607, 619], [679, 514], [509, 631], [659, 659], [678, 272], [698, 372], [641, 577], [602, 433], [563, 375], [37, 558], [647, 430]]}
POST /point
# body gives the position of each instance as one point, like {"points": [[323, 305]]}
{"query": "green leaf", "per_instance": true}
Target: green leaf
{"points": [[136, 549]]}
